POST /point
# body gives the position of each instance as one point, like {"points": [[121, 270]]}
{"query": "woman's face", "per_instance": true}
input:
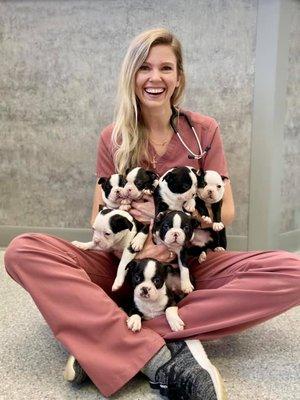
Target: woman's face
{"points": [[157, 78]]}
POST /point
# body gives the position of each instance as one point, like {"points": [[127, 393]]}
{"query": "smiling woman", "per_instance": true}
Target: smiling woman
{"points": [[73, 287]]}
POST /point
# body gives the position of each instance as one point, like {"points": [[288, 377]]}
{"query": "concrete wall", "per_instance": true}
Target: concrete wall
{"points": [[58, 73], [290, 188]]}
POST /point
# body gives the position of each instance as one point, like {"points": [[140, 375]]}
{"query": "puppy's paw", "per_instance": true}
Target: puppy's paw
{"points": [[134, 323], [186, 286], [176, 323], [81, 245], [217, 249], [125, 207], [218, 226], [138, 241], [202, 257], [189, 205], [206, 219], [117, 283]]}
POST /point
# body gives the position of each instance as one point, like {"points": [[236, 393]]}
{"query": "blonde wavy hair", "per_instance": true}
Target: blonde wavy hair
{"points": [[129, 134]]}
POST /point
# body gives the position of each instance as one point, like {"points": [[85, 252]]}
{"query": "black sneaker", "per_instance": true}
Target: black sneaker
{"points": [[189, 375], [73, 372]]}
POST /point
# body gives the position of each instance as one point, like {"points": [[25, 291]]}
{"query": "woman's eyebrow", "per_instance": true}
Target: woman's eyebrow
{"points": [[163, 63]]}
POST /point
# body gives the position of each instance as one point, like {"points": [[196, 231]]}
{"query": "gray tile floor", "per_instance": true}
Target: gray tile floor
{"points": [[259, 364]]}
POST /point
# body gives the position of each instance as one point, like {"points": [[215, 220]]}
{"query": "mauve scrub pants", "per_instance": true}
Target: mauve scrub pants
{"points": [[72, 289]]}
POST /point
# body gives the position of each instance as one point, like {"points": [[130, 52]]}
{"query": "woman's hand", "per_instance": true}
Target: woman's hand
{"points": [[158, 251], [143, 210]]}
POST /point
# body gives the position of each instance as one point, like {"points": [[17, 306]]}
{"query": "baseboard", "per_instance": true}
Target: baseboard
{"points": [[7, 233]]}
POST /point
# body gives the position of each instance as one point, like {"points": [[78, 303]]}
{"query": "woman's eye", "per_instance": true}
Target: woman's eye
{"points": [[144, 67], [167, 68], [106, 234]]}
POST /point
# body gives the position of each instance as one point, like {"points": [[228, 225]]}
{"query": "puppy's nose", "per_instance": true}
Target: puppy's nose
{"points": [[209, 191], [145, 291]]}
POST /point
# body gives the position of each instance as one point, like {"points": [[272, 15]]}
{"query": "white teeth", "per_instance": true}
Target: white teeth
{"points": [[154, 90]]}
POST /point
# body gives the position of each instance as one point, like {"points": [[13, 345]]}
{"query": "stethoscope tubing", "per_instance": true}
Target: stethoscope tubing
{"points": [[191, 153]]}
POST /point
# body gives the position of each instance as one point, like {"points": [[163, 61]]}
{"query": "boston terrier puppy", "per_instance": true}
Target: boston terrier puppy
{"points": [[112, 190], [211, 187], [176, 190], [151, 295], [117, 230], [205, 239], [175, 229], [138, 182]]}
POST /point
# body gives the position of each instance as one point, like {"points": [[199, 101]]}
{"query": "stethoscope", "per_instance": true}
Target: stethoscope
{"points": [[191, 154]]}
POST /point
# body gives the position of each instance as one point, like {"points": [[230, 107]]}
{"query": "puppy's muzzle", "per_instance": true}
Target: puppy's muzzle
{"points": [[144, 292]]}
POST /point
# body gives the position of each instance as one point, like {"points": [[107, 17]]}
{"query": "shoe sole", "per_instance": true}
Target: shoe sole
{"points": [[73, 372], [200, 356], [69, 372]]}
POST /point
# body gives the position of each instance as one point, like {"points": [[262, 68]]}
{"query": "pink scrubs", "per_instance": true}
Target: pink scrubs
{"points": [[72, 288]]}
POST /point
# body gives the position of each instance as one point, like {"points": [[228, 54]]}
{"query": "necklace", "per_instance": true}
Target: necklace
{"points": [[153, 162], [160, 144]]}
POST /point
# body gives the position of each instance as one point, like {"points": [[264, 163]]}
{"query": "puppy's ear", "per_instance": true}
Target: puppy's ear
{"points": [[131, 265], [195, 223], [119, 223], [159, 217], [224, 178], [127, 171], [152, 175], [102, 181]]}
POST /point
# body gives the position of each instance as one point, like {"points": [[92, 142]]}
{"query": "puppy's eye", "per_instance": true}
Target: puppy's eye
{"points": [[156, 281], [137, 278], [219, 186]]}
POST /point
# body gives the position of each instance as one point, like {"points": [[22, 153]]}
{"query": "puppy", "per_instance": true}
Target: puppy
{"points": [[204, 240], [211, 187], [175, 229], [117, 230], [138, 182], [112, 190], [151, 295], [176, 190]]}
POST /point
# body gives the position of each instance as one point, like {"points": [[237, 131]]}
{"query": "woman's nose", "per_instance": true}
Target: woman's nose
{"points": [[155, 75]]}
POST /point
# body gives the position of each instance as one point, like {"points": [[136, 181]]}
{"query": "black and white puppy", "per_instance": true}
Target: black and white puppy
{"points": [[204, 240], [151, 294], [139, 181], [112, 190], [176, 190], [211, 187], [117, 230], [175, 229]]}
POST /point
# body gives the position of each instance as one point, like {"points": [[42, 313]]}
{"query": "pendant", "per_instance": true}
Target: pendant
{"points": [[153, 162]]}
